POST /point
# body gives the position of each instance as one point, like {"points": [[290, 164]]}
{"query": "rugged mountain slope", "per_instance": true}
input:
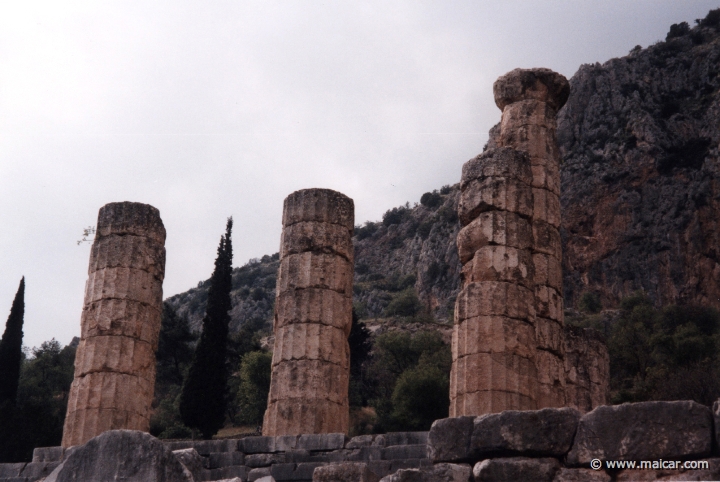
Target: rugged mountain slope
{"points": [[639, 138], [641, 172]]}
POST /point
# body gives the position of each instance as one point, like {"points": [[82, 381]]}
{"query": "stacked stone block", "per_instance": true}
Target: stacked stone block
{"points": [[313, 316], [530, 100], [120, 324], [493, 342]]}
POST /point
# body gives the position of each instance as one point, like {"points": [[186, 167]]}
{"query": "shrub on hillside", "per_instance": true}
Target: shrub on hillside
{"points": [[405, 303]]}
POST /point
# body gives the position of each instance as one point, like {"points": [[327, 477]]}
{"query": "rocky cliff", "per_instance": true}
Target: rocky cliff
{"points": [[640, 198], [641, 172]]}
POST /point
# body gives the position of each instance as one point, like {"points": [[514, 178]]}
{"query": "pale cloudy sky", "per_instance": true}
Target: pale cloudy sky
{"points": [[212, 109]]}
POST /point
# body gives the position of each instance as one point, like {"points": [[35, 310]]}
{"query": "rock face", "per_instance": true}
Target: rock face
{"points": [[639, 139], [313, 315], [115, 361], [126, 455]]}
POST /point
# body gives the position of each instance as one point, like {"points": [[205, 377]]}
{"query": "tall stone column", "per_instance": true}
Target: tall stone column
{"points": [[530, 100], [313, 316], [120, 324], [493, 343]]}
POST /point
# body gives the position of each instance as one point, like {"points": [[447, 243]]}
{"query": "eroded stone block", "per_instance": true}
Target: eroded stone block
{"points": [[494, 227], [500, 263], [499, 298], [494, 193]]}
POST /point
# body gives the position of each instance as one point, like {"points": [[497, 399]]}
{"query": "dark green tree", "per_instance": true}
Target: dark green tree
{"points": [[11, 347], [360, 346], [203, 400], [174, 348], [254, 386]]}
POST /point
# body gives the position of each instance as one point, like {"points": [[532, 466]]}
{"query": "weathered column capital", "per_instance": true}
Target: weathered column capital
{"points": [[129, 218], [531, 84]]}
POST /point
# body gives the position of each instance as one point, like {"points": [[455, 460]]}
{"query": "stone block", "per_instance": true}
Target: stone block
{"points": [[303, 415], [502, 162], [547, 432], [546, 206], [493, 334], [513, 469], [502, 372], [546, 239], [113, 317], [256, 445], [311, 341], [136, 252], [207, 447], [116, 354], [546, 173], [264, 459], [550, 336], [128, 218], [528, 112], [315, 270], [312, 380], [192, 461], [493, 227], [259, 473], [489, 401], [309, 236], [82, 424], [239, 471], [111, 391], [643, 431], [400, 438], [267, 478], [581, 475], [312, 305], [547, 271], [500, 263], [403, 452], [324, 441], [525, 84], [8, 470], [344, 472], [494, 193], [360, 441], [487, 298], [537, 142], [47, 454], [121, 455], [549, 304], [436, 473], [366, 454], [319, 205], [38, 470], [224, 459], [449, 439], [124, 284]]}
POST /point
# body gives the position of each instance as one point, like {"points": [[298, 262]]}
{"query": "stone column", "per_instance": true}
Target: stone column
{"points": [[120, 324], [493, 344], [313, 316], [530, 100]]}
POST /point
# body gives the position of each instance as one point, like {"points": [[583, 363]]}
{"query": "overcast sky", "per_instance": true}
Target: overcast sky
{"points": [[212, 109]]}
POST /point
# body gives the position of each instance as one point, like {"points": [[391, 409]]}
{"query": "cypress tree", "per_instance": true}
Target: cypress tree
{"points": [[203, 399], [11, 347]]}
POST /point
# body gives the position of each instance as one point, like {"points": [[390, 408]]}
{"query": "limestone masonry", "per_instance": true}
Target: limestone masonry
{"points": [[313, 316], [115, 360], [509, 345]]}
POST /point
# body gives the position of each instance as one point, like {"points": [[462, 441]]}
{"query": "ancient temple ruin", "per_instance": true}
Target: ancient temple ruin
{"points": [[115, 360], [313, 316], [509, 342]]}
